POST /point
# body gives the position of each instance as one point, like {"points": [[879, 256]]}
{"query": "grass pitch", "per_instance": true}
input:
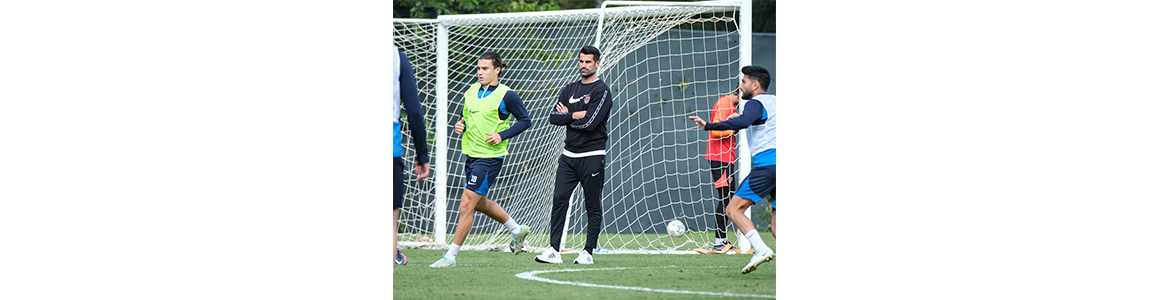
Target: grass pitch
{"points": [[492, 275]]}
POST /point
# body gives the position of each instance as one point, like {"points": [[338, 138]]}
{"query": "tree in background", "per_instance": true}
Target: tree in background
{"points": [[430, 9]]}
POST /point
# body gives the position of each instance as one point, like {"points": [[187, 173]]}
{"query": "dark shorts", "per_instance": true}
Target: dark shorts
{"points": [[481, 173], [723, 174], [761, 181], [399, 182]]}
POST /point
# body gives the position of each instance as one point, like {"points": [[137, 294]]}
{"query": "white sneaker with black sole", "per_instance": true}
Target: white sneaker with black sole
{"points": [[550, 256], [584, 258]]}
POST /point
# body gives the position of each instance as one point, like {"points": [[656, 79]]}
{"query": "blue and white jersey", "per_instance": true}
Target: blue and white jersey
{"points": [[759, 121], [761, 135], [396, 101], [405, 97]]}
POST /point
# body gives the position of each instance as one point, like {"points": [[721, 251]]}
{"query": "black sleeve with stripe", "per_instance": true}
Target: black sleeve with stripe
{"points": [[597, 112]]}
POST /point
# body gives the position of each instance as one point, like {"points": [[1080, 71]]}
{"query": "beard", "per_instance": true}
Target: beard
{"points": [[588, 73], [746, 95]]}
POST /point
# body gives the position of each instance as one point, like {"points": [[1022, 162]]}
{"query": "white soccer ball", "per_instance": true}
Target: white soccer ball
{"points": [[675, 228]]}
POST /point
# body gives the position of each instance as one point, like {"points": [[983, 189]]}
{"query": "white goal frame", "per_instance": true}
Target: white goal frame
{"points": [[440, 158]]}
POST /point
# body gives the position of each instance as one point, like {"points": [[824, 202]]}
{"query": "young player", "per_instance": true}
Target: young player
{"points": [[721, 155], [583, 108], [405, 91], [759, 119], [488, 106]]}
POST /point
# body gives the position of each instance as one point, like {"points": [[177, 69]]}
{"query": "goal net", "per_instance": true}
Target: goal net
{"points": [[662, 63]]}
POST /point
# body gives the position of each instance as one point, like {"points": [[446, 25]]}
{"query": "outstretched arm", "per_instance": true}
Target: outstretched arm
{"points": [[753, 111]]}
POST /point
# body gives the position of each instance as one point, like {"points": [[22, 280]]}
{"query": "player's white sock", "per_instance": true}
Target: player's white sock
{"points": [[512, 226], [719, 241], [452, 252], [757, 242]]}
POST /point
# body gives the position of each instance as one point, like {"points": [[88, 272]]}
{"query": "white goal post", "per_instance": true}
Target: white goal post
{"points": [[663, 61]]}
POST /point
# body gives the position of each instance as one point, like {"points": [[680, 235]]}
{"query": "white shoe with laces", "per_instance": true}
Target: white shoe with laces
{"points": [[518, 239], [766, 256], [584, 258], [550, 256]]}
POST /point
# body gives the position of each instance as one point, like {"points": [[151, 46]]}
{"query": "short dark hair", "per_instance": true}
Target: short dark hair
{"points": [[758, 74], [592, 51], [496, 60]]}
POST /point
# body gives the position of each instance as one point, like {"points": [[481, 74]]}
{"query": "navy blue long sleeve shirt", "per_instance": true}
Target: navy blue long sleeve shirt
{"points": [[753, 113], [414, 114]]}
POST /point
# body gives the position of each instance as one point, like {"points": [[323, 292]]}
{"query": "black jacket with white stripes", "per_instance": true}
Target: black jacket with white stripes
{"points": [[588, 133]]}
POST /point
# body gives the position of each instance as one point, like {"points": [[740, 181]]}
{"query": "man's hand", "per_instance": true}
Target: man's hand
{"points": [[699, 121], [578, 115], [422, 170], [459, 127], [732, 115], [561, 108], [493, 138]]}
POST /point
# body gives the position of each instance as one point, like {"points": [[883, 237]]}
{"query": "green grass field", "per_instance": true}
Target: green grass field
{"points": [[493, 275]]}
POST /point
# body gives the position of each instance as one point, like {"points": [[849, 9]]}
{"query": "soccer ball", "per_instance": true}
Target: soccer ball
{"points": [[675, 228]]}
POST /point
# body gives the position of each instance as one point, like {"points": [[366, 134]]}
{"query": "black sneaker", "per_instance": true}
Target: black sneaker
{"points": [[400, 259], [722, 248]]}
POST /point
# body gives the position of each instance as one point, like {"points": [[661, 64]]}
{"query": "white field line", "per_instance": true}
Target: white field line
{"points": [[531, 275]]}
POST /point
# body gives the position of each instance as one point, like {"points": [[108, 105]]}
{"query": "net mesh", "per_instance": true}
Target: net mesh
{"points": [[662, 63]]}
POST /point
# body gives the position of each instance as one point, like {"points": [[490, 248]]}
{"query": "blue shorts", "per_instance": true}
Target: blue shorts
{"points": [[761, 181], [481, 173]]}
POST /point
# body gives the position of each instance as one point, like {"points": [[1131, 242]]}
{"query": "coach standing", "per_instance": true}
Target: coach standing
{"points": [[583, 107]]}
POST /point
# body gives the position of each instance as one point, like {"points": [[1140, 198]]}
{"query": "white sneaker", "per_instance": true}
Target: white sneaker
{"points": [[550, 256], [443, 263], [584, 258], [757, 260], [518, 239]]}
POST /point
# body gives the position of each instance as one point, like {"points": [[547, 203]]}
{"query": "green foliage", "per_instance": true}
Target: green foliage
{"points": [[763, 212], [428, 9]]}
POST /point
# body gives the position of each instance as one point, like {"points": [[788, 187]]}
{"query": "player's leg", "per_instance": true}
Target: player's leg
{"points": [[735, 212], [773, 212], [723, 176], [592, 181], [773, 222], [475, 172], [493, 210], [566, 180], [483, 205], [399, 257], [563, 185], [399, 194], [467, 204], [486, 172], [761, 181]]}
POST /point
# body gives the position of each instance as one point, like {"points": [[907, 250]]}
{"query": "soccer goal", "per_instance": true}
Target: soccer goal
{"points": [[663, 61]]}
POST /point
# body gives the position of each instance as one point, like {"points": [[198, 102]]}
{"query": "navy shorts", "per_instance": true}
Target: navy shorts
{"points": [[399, 183], [481, 173], [761, 181]]}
